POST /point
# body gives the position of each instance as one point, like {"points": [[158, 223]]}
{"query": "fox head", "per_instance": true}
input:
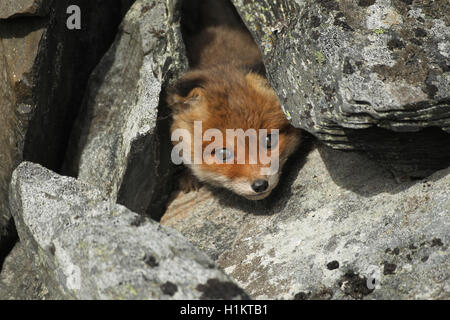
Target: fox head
{"points": [[210, 104]]}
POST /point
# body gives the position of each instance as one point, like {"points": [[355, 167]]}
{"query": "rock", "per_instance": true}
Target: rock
{"points": [[90, 248], [121, 142], [338, 227], [16, 8], [359, 75], [44, 68], [355, 73], [19, 279], [19, 45]]}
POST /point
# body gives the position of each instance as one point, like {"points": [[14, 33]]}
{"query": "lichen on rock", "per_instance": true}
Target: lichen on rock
{"points": [[87, 247], [338, 227], [342, 66]]}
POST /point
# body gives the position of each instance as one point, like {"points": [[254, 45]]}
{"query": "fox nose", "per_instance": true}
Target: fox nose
{"points": [[260, 185]]}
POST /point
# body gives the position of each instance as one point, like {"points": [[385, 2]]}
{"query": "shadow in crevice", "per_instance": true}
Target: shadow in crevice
{"points": [[66, 59], [21, 27], [388, 162], [150, 156], [414, 155], [7, 242], [354, 171], [83, 123], [197, 15]]}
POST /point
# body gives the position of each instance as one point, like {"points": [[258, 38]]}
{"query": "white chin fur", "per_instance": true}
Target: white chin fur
{"points": [[240, 187], [257, 196]]}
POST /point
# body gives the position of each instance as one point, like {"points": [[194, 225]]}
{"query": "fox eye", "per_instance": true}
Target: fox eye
{"points": [[271, 141], [223, 154]]}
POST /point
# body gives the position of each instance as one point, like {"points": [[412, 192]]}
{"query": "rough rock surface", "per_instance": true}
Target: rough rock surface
{"points": [[346, 70], [19, 278], [43, 71], [90, 248], [18, 51], [368, 75], [121, 141], [337, 226], [16, 8]]}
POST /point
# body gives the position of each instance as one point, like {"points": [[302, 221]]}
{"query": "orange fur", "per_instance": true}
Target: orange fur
{"points": [[223, 91]]}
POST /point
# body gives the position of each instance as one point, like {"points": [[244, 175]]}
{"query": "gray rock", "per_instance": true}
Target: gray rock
{"points": [[19, 279], [44, 68], [338, 227], [90, 248], [121, 142], [347, 70]]}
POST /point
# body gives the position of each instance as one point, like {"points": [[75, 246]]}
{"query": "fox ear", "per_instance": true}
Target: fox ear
{"points": [[184, 92]]}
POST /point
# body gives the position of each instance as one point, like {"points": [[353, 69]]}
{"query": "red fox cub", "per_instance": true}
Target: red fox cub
{"points": [[225, 96]]}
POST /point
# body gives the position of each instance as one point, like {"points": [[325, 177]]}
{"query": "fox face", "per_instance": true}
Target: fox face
{"points": [[242, 128]]}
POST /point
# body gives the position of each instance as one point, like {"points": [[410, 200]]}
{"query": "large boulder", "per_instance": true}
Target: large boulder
{"points": [[88, 247], [339, 227], [368, 75], [120, 142], [44, 68]]}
